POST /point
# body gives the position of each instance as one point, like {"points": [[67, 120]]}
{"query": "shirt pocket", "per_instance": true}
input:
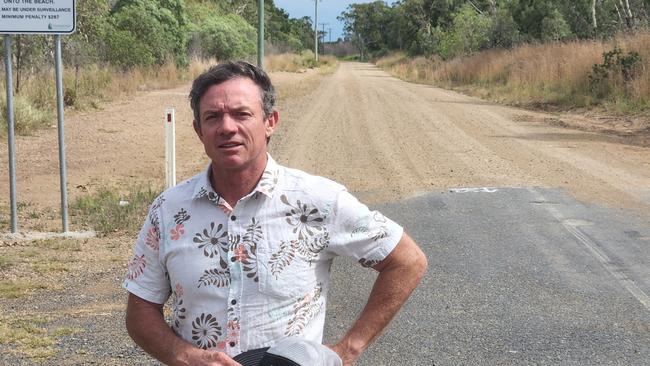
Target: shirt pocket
{"points": [[286, 269]]}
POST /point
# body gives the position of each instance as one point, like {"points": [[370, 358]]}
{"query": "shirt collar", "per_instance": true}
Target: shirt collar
{"points": [[265, 186]]}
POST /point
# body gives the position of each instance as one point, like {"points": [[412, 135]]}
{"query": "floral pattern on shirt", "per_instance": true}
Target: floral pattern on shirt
{"points": [[215, 277], [179, 229], [367, 263], [206, 331], [245, 248], [304, 310], [374, 228], [214, 242], [153, 238], [305, 218], [136, 267], [178, 310], [308, 248]]}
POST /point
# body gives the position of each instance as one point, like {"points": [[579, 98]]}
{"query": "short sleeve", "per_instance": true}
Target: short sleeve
{"points": [[363, 234], [146, 277]]}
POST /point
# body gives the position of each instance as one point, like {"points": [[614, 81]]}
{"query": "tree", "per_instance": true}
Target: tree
{"points": [[554, 27], [227, 37], [146, 32]]}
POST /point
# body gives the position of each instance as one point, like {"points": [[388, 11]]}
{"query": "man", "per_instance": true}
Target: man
{"points": [[245, 247]]}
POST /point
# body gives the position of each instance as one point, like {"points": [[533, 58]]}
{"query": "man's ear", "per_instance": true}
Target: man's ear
{"points": [[197, 128], [271, 123]]}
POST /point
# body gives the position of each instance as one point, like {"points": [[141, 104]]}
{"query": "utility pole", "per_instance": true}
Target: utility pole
{"points": [[323, 34], [329, 30], [323, 25], [260, 34], [316, 29]]}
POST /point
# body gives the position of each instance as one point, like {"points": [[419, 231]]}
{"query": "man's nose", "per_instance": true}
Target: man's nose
{"points": [[228, 125]]}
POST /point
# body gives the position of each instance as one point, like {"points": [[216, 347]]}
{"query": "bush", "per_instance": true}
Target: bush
{"points": [[27, 117], [504, 32], [108, 211], [146, 32], [469, 33], [555, 28], [227, 37], [617, 70]]}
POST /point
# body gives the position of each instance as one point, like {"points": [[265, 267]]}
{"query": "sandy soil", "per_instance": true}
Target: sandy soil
{"points": [[383, 138]]}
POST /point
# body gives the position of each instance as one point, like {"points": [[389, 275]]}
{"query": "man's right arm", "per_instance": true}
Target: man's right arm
{"points": [[146, 325]]}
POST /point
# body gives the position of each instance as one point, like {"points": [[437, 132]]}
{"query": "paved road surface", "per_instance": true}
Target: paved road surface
{"points": [[518, 276]]}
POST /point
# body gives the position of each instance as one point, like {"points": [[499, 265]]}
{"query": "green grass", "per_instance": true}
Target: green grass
{"points": [[5, 262], [58, 244], [28, 336], [102, 210], [28, 116], [15, 289]]}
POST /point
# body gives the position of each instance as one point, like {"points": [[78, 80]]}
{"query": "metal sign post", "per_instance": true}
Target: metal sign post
{"points": [[18, 17], [59, 112], [10, 135]]}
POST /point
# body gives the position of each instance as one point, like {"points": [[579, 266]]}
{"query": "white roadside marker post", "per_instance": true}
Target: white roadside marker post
{"points": [[170, 148]]}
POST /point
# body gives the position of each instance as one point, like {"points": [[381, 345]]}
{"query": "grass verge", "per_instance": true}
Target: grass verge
{"points": [[29, 337], [550, 76], [291, 62], [110, 211], [10, 289]]}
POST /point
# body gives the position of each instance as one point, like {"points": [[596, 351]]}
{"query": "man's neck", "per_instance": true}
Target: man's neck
{"points": [[233, 185]]}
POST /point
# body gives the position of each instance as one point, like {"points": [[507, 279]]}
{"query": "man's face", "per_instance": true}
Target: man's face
{"points": [[232, 125]]}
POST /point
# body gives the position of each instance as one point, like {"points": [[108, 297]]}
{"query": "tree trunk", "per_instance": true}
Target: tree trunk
{"points": [[627, 14], [620, 17], [593, 14], [493, 7]]}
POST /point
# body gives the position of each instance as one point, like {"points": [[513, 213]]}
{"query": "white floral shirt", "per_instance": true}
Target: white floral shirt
{"points": [[247, 276]]}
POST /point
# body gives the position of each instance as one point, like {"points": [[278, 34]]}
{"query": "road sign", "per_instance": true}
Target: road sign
{"points": [[37, 16]]}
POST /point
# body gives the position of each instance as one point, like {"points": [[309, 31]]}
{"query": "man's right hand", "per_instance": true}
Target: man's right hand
{"points": [[147, 327], [199, 357]]}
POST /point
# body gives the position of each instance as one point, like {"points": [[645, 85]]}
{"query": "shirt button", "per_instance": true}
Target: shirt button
{"points": [[233, 302], [233, 218], [232, 344]]}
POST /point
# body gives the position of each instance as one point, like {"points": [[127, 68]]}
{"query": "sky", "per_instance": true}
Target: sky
{"points": [[328, 10]]}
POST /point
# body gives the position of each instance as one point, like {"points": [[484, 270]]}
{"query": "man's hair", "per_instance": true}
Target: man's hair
{"points": [[227, 71]]}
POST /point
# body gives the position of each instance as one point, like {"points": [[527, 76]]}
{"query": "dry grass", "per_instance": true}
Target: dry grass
{"points": [[547, 74], [28, 336], [35, 104], [291, 62]]}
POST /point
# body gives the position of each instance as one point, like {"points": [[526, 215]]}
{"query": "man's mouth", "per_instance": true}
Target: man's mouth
{"points": [[229, 145]]}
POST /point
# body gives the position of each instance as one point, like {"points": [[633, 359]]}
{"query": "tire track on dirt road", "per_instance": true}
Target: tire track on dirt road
{"points": [[387, 139]]}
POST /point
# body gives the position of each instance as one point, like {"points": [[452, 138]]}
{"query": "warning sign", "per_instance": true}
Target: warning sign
{"points": [[37, 16]]}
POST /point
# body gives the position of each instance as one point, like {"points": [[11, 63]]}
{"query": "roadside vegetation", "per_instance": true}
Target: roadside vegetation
{"points": [[551, 54], [614, 74], [110, 211], [140, 45]]}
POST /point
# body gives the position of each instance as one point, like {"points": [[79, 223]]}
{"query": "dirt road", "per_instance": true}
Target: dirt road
{"points": [[388, 139], [383, 138]]}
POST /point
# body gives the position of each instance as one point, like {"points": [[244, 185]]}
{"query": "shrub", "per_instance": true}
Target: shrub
{"points": [[146, 32], [227, 37], [555, 28], [617, 70], [108, 211], [469, 33], [27, 117]]}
